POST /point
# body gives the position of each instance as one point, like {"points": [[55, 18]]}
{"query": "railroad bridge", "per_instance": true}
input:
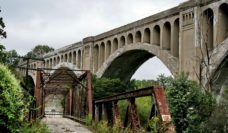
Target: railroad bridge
{"points": [[192, 38]]}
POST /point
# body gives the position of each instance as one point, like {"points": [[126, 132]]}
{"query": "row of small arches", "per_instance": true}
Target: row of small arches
{"points": [[211, 37], [103, 50], [74, 57]]}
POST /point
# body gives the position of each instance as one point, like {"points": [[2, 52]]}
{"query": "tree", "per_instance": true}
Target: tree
{"points": [[104, 87], [12, 105], [2, 26], [189, 106], [2, 35], [39, 50]]}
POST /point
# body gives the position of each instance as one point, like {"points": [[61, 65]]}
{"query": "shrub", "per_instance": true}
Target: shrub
{"points": [[35, 127], [189, 106], [12, 107]]}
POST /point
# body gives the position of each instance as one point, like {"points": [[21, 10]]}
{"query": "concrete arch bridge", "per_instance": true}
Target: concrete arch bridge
{"points": [[182, 37]]}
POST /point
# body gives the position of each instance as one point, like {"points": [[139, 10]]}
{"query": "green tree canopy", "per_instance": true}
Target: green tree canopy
{"points": [[12, 105], [2, 26], [39, 50], [103, 87]]}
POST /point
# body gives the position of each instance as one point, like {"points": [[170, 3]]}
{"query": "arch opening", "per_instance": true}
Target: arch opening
{"points": [[125, 65], [108, 49], [58, 60], [70, 57], [102, 53], [207, 31], [62, 59], [176, 38], [166, 36], [122, 41], [156, 35], [54, 61], [79, 59], [138, 36], [223, 23], [95, 57], [50, 63], [65, 59], [115, 45], [129, 38], [146, 36], [74, 57]]}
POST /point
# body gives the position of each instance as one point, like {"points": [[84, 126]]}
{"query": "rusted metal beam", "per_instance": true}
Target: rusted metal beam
{"points": [[131, 94], [116, 114], [162, 107], [89, 93], [38, 94]]}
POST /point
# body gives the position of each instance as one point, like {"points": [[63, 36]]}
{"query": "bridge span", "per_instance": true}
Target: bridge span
{"points": [[191, 38]]}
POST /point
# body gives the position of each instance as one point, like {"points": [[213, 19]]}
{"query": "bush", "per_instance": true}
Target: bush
{"points": [[35, 127], [104, 87], [190, 108], [12, 107]]}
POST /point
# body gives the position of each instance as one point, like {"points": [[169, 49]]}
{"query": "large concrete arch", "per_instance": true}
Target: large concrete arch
{"points": [[126, 60], [217, 56]]}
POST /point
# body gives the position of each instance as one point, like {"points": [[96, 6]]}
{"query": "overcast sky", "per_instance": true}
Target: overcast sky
{"points": [[61, 22]]}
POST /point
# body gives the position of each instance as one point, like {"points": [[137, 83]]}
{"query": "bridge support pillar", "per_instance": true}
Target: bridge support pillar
{"points": [[116, 114], [70, 102], [132, 116], [38, 95], [89, 93], [104, 112], [97, 113]]}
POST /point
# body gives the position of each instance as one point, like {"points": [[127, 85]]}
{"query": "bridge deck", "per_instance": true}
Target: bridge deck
{"points": [[64, 125]]}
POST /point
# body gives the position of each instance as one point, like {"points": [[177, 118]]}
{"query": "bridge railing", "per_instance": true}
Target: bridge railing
{"points": [[107, 108]]}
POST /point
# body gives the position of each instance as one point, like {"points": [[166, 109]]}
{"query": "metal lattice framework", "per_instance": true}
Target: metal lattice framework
{"points": [[75, 85]]}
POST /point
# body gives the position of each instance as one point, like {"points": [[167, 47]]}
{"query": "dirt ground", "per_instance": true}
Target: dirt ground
{"points": [[64, 125]]}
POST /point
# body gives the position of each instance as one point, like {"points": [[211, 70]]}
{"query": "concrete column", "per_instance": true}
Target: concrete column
{"points": [[216, 25], [97, 112], [161, 36], [172, 46], [89, 93], [70, 102], [104, 112]]}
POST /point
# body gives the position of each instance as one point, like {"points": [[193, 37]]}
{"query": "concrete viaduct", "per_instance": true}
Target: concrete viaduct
{"points": [[180, 37], [176, 36]]}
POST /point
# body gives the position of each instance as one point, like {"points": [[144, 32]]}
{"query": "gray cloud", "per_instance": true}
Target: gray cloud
{"points": [[61, 22]]}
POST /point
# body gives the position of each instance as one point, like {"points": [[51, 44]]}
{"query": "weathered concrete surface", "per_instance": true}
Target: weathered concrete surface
{"points": [[64, 125]]}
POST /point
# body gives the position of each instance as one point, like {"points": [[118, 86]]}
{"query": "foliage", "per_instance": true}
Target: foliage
{"points": [[143, 106], [122, 106], [102, 127], [12, 105], [35, 126], [144, 83], [106, 87], [218, 121], [88, 119], [153, 124], [2, 26], [3, 54], [189, 106], [39, 50]]}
